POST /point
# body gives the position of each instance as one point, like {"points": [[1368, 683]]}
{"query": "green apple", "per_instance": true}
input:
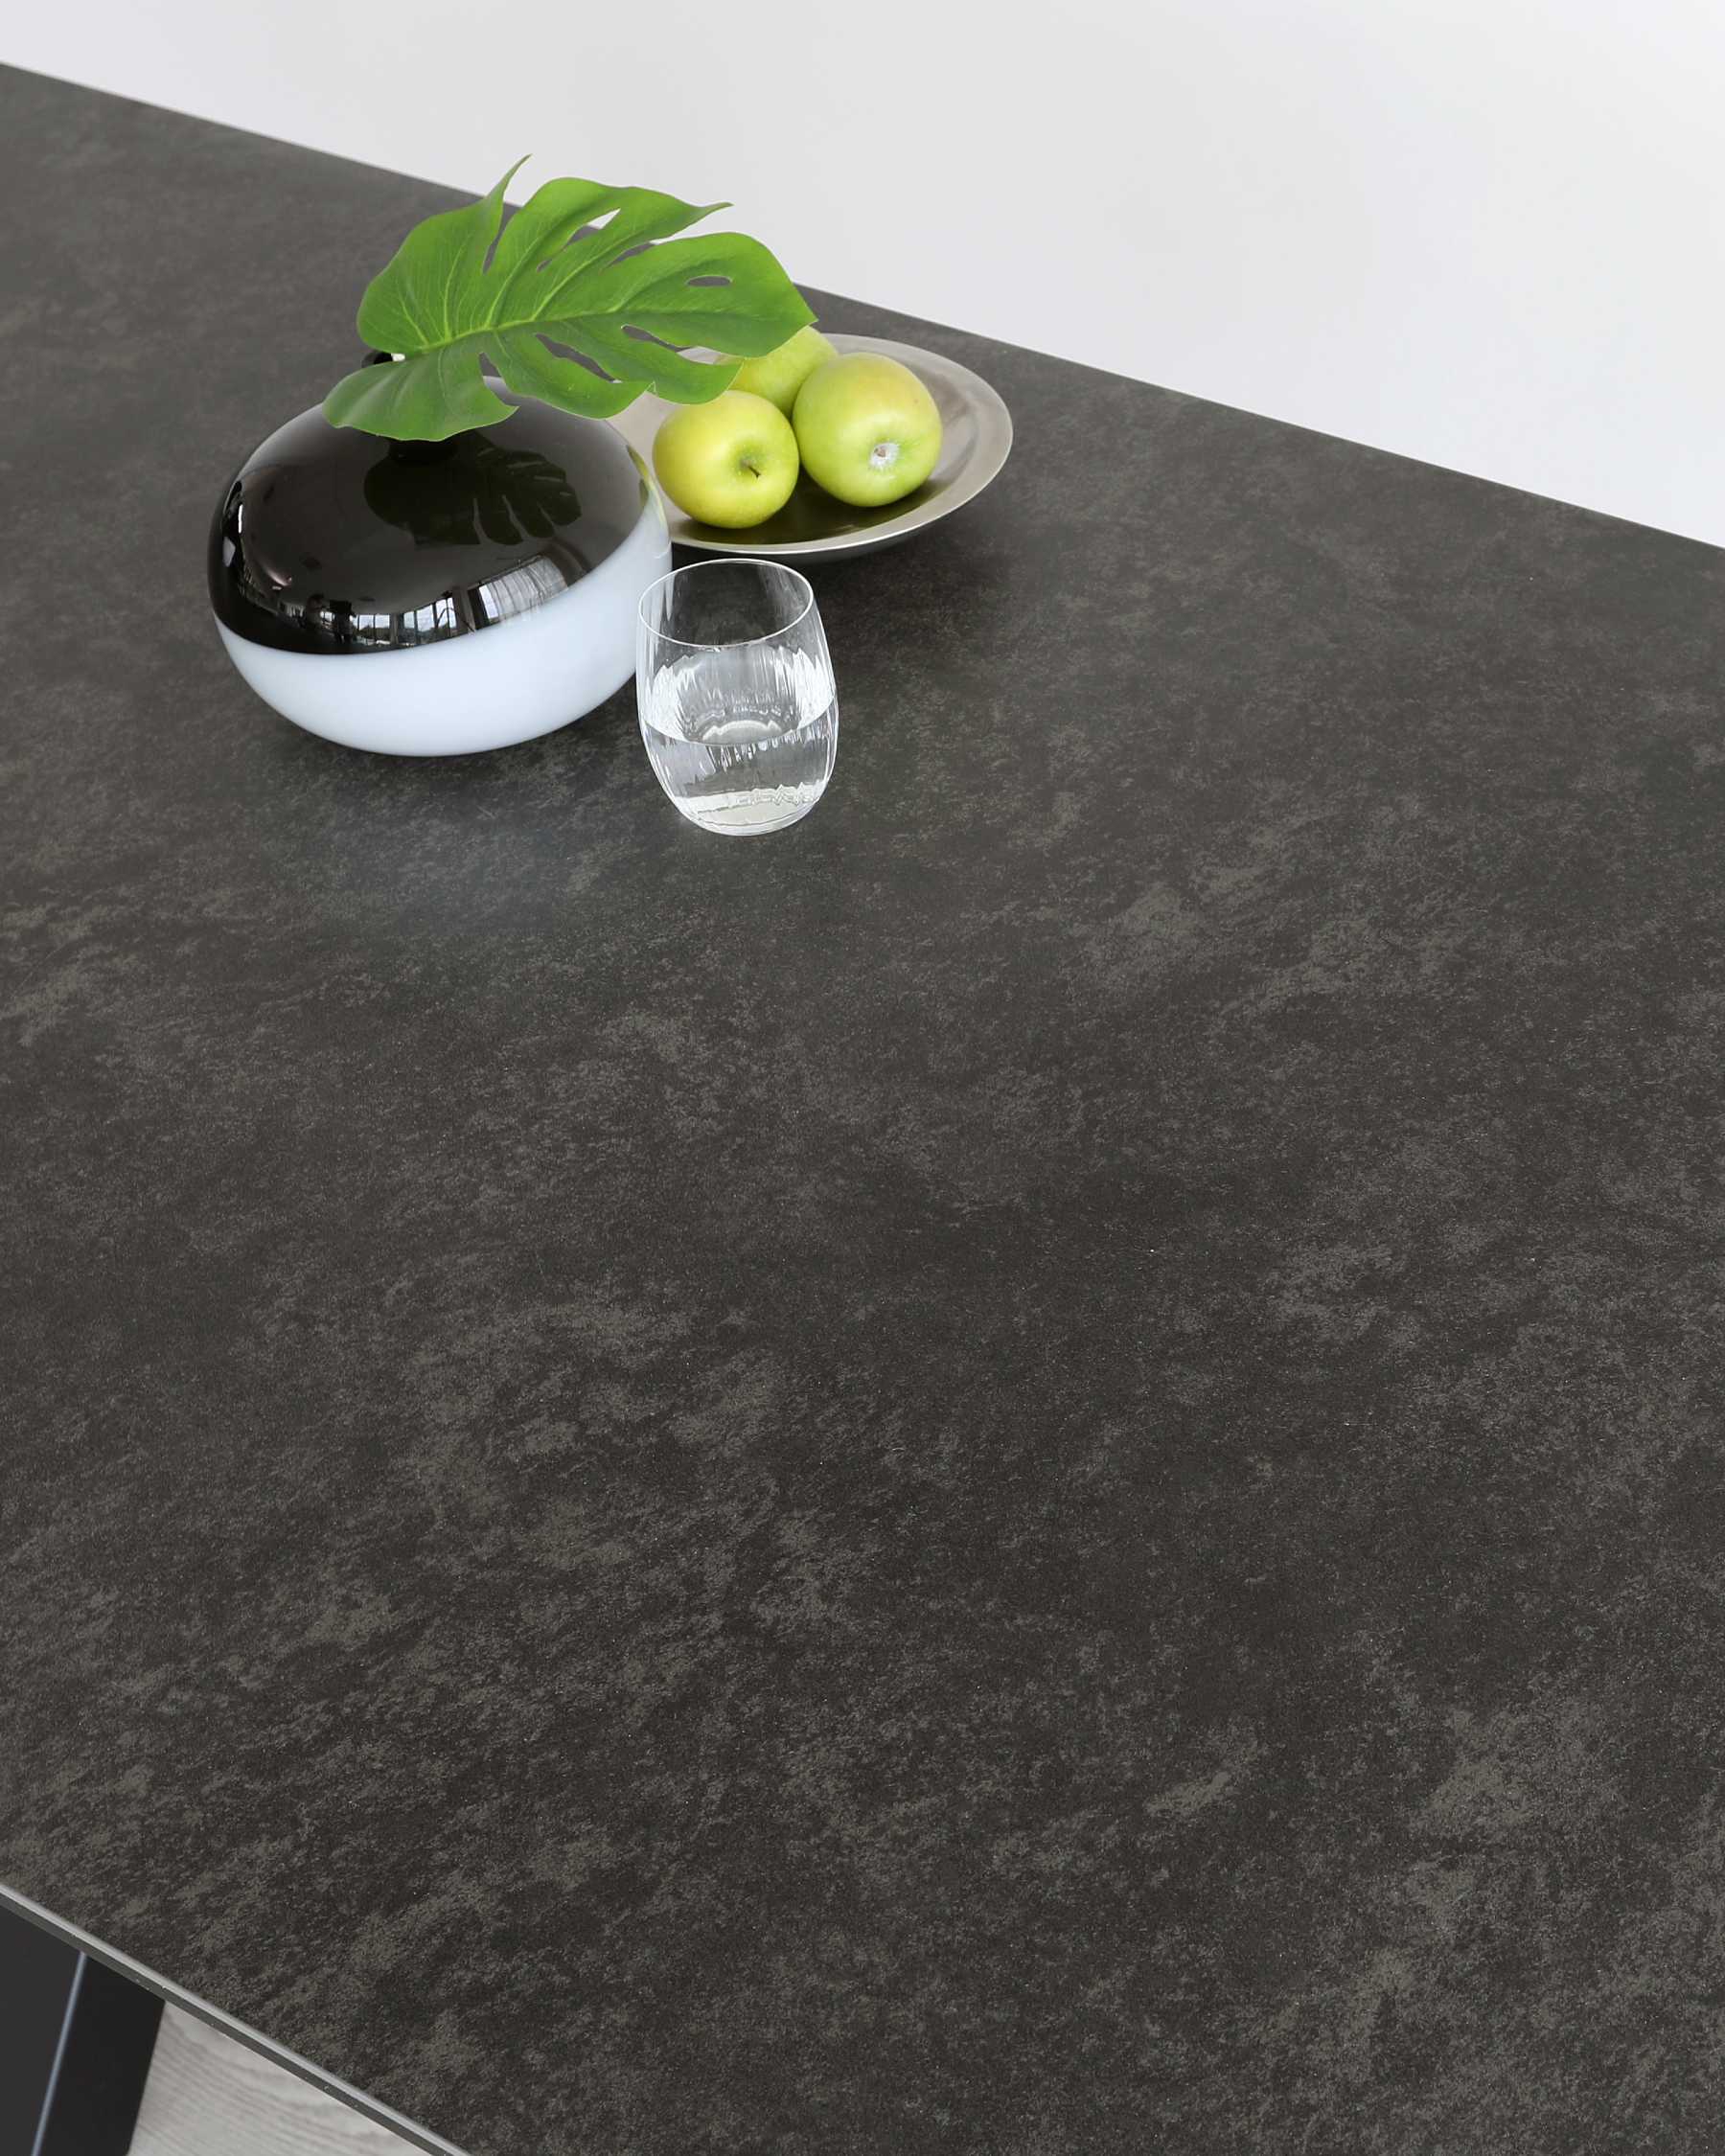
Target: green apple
{"points": [[731, 461], [868, 430], [781, 373]]}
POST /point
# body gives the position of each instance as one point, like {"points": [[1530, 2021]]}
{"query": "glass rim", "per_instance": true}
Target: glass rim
{"points": [[726, 562]]}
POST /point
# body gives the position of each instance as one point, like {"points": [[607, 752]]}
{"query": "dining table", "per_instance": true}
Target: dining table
{"points": [[1037, 1469]]}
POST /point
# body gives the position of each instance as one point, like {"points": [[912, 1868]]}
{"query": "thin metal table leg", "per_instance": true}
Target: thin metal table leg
{"points": [[76, 2040]]}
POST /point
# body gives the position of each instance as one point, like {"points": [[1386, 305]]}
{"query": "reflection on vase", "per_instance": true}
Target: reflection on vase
{"points": [[332, 540]]}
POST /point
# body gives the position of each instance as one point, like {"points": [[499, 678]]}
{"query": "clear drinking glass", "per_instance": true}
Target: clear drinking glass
{"points": [[735, 686]]}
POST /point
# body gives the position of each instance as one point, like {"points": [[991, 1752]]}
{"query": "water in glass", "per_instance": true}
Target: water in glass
{"points": [[742, 740]]}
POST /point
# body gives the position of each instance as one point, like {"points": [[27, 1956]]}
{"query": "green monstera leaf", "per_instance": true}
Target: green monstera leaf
{"points": [[468, 293]]}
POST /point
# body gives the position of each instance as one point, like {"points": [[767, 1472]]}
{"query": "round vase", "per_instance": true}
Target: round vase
{"points": [[435, 598]]}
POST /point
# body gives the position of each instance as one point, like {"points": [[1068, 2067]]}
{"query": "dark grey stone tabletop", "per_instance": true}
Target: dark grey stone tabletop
{"points": [[1035, 1469]]}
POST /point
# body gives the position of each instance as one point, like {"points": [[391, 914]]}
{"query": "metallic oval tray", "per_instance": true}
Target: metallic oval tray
{"points": [[977, 434]]}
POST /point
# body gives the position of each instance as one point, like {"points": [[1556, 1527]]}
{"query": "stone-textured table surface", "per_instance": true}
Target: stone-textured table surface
{"points": [[1035, 1470]]}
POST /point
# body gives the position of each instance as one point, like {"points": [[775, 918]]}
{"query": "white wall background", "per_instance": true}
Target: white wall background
{"points": [[1488, 233]]}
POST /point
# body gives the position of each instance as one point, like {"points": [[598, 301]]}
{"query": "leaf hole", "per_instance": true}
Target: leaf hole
{"points": [[581, 358]]}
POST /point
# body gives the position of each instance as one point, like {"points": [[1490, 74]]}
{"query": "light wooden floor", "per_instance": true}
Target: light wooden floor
{"points": [[208, 2096]]}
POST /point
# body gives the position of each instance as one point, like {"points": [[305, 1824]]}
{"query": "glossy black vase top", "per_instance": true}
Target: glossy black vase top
{"points": [[333, 540]]}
